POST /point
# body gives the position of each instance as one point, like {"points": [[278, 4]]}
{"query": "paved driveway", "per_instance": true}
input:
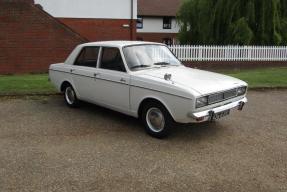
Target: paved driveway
{"points": [[45, 146]]}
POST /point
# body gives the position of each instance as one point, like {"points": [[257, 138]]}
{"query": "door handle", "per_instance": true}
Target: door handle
{"points": [[72, 70], [96, 74], [123, 80]]}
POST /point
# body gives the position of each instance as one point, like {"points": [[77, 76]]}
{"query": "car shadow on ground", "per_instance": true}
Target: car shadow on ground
{"points": [[200, 131], [183, 131]]}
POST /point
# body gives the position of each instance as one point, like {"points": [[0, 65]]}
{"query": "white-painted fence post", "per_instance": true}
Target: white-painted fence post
{"points": [[229, 53]]}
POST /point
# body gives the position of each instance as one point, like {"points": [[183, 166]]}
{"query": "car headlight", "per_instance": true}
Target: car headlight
{"points": [[201, 102], [241, 91]]}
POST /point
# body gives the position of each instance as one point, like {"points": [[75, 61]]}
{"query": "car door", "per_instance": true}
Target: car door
{"points": [[83, 73], [112, 80]]}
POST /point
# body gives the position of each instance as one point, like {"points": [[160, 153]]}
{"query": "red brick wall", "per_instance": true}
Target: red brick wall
{"points": [[30, 39], [17, 1], [101, 29], [155, 37]]}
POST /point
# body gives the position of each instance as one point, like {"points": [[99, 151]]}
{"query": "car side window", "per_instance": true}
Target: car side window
{"points": [[88, 57], [112, 60]]}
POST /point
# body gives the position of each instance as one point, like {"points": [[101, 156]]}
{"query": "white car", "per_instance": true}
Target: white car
{"points": [[145, 80]]}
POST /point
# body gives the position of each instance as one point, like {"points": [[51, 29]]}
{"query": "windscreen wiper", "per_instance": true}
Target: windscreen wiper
{"points": [[140, 66], [161, 63]]}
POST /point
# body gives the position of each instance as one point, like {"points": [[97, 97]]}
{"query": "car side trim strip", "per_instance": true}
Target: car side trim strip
{"points": [[122, 83], [72, 73], [160, 91]]}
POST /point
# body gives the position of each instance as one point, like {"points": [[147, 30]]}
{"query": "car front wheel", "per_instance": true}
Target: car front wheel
{"points": [[71, 97], [157, 120]]}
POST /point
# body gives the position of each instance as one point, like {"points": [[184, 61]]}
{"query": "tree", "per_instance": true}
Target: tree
{"points": [[244, 22]]}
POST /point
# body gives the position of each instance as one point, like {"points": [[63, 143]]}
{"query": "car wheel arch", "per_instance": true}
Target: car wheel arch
{"points": [[152, 99], [64, 85]]}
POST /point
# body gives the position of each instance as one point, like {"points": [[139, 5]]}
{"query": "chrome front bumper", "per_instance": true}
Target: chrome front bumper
{"points": [[207, 114]]}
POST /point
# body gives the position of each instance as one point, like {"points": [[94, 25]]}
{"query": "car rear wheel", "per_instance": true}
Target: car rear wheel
{"points": [[71, 97], [156, 119]]}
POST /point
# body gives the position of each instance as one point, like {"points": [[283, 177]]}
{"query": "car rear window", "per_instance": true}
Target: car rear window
{"points": [[88, 57]]}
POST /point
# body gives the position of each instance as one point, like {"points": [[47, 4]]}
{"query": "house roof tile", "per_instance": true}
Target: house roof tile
{"points": [[158, 7]]}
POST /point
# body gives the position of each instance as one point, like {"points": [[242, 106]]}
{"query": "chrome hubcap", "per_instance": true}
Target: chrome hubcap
{"points": [[155, 119], [70, 95]]}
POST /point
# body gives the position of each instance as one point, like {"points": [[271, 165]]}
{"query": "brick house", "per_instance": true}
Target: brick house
{"points": [[96, 20], [32, 36], [157, 20], [31, 39], [36, 33]]}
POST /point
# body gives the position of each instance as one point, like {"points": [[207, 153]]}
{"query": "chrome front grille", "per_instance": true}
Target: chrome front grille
{"points": [[230, 94], [215, 98], [218, 97]]}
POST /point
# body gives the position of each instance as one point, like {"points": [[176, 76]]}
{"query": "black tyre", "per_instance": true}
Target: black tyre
{"points": [[156, 119], [70, 96]]}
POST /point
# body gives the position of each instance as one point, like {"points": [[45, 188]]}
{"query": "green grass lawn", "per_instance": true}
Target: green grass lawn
{"points": [[262, 78], [25, 84], [34, 84]]}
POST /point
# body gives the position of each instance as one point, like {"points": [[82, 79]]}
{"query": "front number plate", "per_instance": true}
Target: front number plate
{"points": [[221, 114]]}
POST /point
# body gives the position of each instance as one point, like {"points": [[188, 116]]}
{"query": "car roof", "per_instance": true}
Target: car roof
{"points": [[119, 43]]}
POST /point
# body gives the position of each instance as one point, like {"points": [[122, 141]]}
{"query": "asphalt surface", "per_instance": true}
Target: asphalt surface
{"points": [[46, 146]]}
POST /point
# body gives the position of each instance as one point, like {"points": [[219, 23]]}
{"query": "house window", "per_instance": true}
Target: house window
{"points": [[140, 23], [167, 22]]}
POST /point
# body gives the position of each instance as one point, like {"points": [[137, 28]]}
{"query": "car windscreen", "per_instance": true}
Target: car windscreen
{"points": [[140, 57]]}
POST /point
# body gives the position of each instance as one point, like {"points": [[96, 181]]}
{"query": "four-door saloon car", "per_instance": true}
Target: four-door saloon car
{"points": [[145, 80]]}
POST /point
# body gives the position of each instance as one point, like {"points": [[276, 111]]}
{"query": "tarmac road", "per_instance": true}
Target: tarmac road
{"points": [[46, 146]]}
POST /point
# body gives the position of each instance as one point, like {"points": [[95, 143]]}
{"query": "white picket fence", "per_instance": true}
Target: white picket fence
{"points": [[230, 53]]}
